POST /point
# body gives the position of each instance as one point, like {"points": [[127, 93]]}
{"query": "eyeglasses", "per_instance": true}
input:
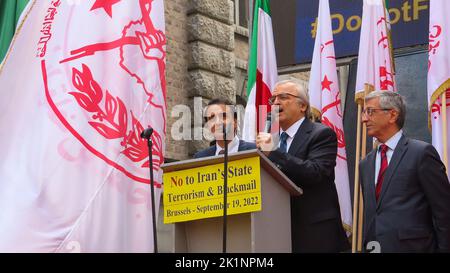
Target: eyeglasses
{"points": [[281, 97], [370, 111]]}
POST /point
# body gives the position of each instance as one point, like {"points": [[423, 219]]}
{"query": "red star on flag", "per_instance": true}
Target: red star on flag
{"points": [[326, 84], [106, 5]]}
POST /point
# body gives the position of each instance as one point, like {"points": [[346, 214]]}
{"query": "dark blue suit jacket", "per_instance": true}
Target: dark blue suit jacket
{"points": [[413, 211], [210, 151], [315, 215]]}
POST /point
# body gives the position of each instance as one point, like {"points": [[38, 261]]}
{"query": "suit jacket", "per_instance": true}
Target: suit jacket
{"points": [[413, 210], [210, 151], [315, 216]]}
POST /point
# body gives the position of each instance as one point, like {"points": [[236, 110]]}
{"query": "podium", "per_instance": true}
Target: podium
{"points": [[267, 230]]}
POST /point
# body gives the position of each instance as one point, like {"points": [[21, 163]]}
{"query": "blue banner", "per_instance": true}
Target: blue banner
{"points": [[409, 20]]}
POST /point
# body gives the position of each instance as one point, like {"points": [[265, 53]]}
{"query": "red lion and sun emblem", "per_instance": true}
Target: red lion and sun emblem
{"points": [[108, 117]]}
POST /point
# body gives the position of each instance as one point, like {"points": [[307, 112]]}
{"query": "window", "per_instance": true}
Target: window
{"points": [[241, 13]]}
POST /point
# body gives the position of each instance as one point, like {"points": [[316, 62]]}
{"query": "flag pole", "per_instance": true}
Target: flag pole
{"points": [[444, 129], [360, 221], [363, 155], [361, 203], [367, 89], [361, 150], [356, 198]]}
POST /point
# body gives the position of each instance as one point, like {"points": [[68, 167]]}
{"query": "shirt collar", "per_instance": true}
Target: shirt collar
{"points": [[233, 146], [291, 131], [393, 141]]}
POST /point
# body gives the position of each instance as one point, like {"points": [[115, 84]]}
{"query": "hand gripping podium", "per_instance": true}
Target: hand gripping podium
{"points": [[267, 230]]}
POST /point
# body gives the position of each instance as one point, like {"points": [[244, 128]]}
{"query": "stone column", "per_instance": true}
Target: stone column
{"points": [[211, 65]]}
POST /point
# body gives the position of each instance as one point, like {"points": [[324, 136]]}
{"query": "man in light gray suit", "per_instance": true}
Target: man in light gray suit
{"points": [[405, 187]]}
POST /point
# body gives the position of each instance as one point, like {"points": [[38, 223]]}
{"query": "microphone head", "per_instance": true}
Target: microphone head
{"points": [[147, 133]]}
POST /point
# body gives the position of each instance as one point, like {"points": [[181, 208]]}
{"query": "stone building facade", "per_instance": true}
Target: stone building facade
{"points": [[201, 62]]}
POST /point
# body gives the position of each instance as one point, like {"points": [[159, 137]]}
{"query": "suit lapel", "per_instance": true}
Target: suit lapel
{"points": [[241, 142], [212, 150], [370, 183], [397, 157], [301, 136]]}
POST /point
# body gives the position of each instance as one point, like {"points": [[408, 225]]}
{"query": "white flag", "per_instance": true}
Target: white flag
{"points": [[439, 69], [374, 58], [82, 80], [325, 102]]}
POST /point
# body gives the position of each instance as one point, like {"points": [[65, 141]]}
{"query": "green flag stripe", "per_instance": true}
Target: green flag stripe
{"points": [[10, 11], [264, 5]]}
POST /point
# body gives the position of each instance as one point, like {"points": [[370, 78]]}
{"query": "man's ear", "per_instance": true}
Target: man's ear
{"points": [[394, 116], [303, 107]]}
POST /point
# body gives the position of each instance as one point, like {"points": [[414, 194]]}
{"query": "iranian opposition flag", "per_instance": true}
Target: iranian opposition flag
{"points": [[262, 71], [375, 62], [10, 11], [325, 99], [439, 70], [82, 80]]}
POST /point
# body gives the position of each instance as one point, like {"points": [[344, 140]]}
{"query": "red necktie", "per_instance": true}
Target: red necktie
{"points": [[383, 167]]}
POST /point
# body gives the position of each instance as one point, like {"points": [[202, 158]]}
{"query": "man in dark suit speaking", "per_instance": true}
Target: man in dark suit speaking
{"points": [[405, 188], [219, 113], [306, 153]]}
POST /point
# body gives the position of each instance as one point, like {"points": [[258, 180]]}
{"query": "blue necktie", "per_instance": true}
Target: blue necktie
{"points": [[283, 142]]}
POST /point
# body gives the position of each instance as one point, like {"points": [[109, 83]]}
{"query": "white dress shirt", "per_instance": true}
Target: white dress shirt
{"points": [[233, 146], [291, 131], [391, 143]]}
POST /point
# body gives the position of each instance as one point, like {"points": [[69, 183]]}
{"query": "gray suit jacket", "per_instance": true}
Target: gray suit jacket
{"points": [[413, 211]]}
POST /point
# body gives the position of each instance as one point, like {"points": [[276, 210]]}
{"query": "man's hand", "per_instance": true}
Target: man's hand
{"points": [[265, 142]]}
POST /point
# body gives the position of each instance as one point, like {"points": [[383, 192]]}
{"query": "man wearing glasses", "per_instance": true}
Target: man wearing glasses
{"points": [[220, 113], [405, 187], [306, 153]]}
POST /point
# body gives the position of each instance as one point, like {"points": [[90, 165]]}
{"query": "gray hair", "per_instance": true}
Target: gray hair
{"points": [[391, 100], [302, 92]]}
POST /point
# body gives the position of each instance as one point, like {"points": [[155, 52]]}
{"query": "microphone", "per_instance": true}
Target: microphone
{"points": [[268, 125], [226, 130], [147, 133]]}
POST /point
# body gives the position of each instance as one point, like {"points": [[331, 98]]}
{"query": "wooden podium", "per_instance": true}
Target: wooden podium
{"points": [[268, 230]]}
